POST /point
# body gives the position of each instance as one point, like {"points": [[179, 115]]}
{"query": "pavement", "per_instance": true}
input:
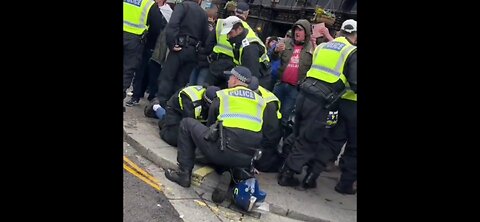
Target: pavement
{"points": [[320, 204]]}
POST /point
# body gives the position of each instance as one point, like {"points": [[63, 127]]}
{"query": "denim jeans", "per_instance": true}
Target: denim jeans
{"points": [[198, 76], [287, 94], [160, 113], [140, 82], [154, 70]]}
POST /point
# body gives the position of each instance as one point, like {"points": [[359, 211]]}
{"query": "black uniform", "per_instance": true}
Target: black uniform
{"points": [[271, 159], [187, 27], [220, 63], [133, 47], [174, 114], [346, 131], [238, 153], [310, 127], [250, 57]]}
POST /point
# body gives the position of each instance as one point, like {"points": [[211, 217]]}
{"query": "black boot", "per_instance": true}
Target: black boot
{"points": [[181, 177], [310, 181], [345, 187], [220, 192], [286, 178]]}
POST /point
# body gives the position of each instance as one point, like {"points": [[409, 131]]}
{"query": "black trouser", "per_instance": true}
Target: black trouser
{"points": [[266, 82], [176, 72], [287, 145], [310, 122], [169, 134], [216, 76], [133, 47], [271, 161], [169, 126], [346, 131], [154, 70], [140, 82], [191, 135]]}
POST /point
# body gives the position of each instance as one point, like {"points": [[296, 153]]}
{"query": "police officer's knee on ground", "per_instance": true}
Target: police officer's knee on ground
{"points": [[235, 119]]}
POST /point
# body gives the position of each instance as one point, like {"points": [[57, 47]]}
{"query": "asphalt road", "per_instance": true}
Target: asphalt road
{"points": [[141, 202]]}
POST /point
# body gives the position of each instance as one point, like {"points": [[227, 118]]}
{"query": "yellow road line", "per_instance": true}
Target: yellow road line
{"points": [[145, 174], [156, 186]]}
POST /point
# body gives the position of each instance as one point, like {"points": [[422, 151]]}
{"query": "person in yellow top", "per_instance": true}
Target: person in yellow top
{"points": [[232, 136], [138, 16], [333, 72], [248, 49], [220, 51], [346, 129]]}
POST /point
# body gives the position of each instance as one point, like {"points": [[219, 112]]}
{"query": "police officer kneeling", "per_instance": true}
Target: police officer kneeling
{"points": [[235, 119]]}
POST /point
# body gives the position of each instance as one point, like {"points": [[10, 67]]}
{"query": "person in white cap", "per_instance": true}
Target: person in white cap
{"points": [[349, 31], [248, 50], [346, 128], [219, 50], [333, 74]]}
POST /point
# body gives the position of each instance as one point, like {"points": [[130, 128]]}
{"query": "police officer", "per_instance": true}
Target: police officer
{"points": [[235, 119], [185, 32], [333, 63], [346, 128], [145, 72], [248, 50], [191, 101], [138, 16], [219, 50]]}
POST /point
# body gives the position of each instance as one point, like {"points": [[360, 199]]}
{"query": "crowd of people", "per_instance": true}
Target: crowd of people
{"points": [[221, 94]]}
